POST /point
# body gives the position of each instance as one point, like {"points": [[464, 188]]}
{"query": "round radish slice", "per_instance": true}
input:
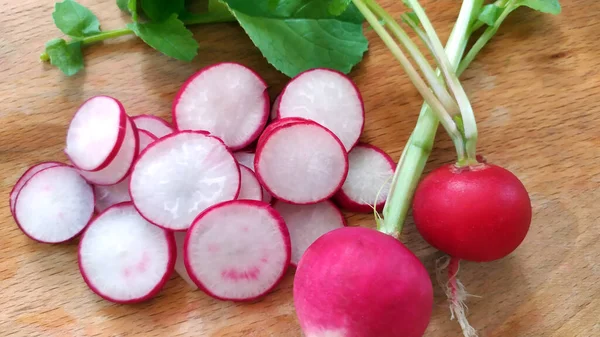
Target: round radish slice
{"points": [[155, 125], [228, 100], [237, 250], [369, 179], [180, 175], [329, 98], [120, 166], [245, 158], [179, 265], [306, 223], [96, 133], [250, 188], [275, 108], [55, 205], [25, 178], [301, 163], [123, 258]]}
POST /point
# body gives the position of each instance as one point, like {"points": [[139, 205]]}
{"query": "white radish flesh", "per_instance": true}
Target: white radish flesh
{"points": [[327, 97], [275, 108], [123, 258], [155, 125], [237, 250], [25, 178], [306, 223], [228, 100], [301, 163], [250, 188], [55, 205], [179, 264], [180, 175], [96, 133], [247, 159]]}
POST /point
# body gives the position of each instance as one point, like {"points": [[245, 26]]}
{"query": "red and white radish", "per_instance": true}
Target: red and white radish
{"points": [[25, 178], [275, 108], [179, 264], [247, 159], [358, 282], [155, 125], [301, 162], [328, 97], [237, 250], [54, 205], [369, 178], [123, 258], [250, 188], [306, 223], [180, 175], [228, 100], [96, 133]]}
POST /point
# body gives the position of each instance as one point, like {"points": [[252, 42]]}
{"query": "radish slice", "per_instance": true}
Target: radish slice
{"points": [[369, 179], [250, 188], [237, 250], [96, 133], [55, 205], [180, 175], [179, 264], [155, 125], [123, 258], [25, 178], [301, 163], [275, 108], [306, 223], [121, 165], [247, 159], [228, 100], [329, 98], [276, 124]]}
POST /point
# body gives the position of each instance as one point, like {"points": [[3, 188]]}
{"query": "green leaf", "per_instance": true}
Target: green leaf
{"points": [[489, 14], [159, 10], [545, 6], [337, 7], [66, 56], [132, 8], [411, 17], [74, 19], [302, 34], [170, 37], [123, 5], [216, 6]]}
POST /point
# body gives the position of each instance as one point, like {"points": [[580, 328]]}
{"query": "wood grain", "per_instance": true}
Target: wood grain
{"points": [[535, 91]]}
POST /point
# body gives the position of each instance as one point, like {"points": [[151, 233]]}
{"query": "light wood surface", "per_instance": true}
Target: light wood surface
{"points": [[536, 93]]}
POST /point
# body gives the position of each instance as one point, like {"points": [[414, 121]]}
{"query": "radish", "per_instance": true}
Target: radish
{"points": [[306, 223], [123, 258], [179, 264], [119, 168], [301, 162], [180, 175], [157, 126], [369, 177], [247, 159], [275, 108], [237, 250], [54, 205], [328, 97], [25, 178], [250, 188], [96, 133], [228, 100]]}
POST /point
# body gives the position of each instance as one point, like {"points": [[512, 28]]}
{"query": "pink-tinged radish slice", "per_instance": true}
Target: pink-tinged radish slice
{"points": [[179, 264], [237, 250], [301, 163], [123, 258], [250, 188], [25, 178], [146, 138], [96, 133], [275, 108], [328, 97], [180, 175], [155, 125], [228, 100], [306, 223], [55, 205], [369, 179], [247, 159], [120, 167]]}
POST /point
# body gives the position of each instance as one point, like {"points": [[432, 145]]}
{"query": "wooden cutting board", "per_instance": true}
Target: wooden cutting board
{"points": [[536, 93]]}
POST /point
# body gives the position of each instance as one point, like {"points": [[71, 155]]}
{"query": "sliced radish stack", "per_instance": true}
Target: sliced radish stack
{"points": [[247, 159], [301, 162], [369, 178], [328, 97], [155, 125], [306, 223], [54, 205], [237, 250], [123, 258], [179, 264], [250, 188], [25, 178], [228, 100], [96, 133], [180, 175]]}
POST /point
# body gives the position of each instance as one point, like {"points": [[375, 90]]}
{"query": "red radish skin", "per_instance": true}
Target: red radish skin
{"points": [[358, 282], [242, 111], [369, 178], [94, 139], [479, 213], [25, 178], [237, 250], [250, 188], [157, 126]]}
